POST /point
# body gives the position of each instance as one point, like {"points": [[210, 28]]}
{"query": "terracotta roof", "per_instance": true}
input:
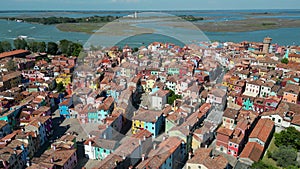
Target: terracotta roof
{"points": [[204, 156], [230, 113], [11, 75], [13, 53], [158, 156], [106, 104], [291, 88], [2, 123], [147, 115], [218, 92], [263, 130], [252, 151], [225, 131], [61, 157]]}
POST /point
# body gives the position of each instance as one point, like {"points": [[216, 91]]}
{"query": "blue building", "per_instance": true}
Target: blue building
{"points": [[104, 109], [64, 108], [148, 120]]}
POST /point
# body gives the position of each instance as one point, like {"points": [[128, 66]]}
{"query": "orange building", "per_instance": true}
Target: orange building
{"points": [[291, 93]]}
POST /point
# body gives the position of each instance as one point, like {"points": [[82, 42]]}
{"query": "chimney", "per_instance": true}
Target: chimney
{"points": [[140, 142], [143, 157], [104, 136], [164, 138], [144, 138], [54, 147], [190, 155], [90, 143], [52, 160], [154, 146]]}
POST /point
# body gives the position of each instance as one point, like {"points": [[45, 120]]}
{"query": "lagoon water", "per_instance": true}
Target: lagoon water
{"points": [[284, 36]]}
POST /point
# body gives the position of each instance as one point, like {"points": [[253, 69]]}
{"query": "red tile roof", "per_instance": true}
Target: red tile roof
{"points": [[252, 151], [263, 130], [13, 53]]}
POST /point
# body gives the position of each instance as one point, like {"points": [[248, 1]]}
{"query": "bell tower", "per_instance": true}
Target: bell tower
{"points": [[267, 44]]}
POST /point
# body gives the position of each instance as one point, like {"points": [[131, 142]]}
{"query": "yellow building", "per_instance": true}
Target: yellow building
{"points": [[65, 79], [137, 125], [150, 83], [294, 58]]}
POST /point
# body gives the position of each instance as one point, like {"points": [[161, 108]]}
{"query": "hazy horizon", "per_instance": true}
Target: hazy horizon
{"points": [[122, 5]]}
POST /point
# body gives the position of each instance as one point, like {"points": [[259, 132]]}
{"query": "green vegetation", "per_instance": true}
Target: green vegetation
{"points": [[37, 46], [191, 18], [267, 159], [20, 43], [66, 47], [285, 156], [172, 97], [69, 48], [262, 165], [80, 27], [52, 48], [285, 60], [60, 87], [11, 65], [282, 151], [5, 46], [268, 24], [289, 137], [59, 20]]}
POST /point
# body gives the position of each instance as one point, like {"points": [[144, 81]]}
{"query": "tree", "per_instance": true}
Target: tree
{"points": [[64, 46], [77, 48], [135, 49], [285, 156], [52, 48], [6, 46], [261, 165], [285, 60], [288, 137], [20, 43], [32, 46], [172, 97], [60, 87], [41, 47], [11, 66]]}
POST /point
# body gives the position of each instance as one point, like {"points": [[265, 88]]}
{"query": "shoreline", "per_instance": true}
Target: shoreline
{"points": [[247, 25]]}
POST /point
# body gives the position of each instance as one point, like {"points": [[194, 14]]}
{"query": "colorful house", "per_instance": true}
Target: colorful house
{"points": [[168, 155], [99, 149], [64, 108], [150, 83], [291, 93], [65, 79], [248, 103], [148, 120], [5, 128]]}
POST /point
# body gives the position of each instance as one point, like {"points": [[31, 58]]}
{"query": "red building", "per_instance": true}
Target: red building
{"points": [[223, 136]]}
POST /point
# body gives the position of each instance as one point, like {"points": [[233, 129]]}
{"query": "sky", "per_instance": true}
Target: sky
{"points": [[147, 4]]}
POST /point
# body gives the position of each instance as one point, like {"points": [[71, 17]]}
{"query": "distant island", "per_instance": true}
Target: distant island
{"points": [[91, 24]]}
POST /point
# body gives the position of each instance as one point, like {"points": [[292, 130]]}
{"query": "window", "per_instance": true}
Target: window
{"points": [[279, 120]]}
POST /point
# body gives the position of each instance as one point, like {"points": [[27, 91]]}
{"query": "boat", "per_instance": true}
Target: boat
{"points": [[22, 37]]}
